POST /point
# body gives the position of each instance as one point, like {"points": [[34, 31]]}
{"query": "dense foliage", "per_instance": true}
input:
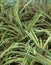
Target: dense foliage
{"points": [[25, 32]]}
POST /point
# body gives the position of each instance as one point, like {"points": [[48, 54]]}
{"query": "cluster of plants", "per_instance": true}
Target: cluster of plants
{"points": [[25, 32]]}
